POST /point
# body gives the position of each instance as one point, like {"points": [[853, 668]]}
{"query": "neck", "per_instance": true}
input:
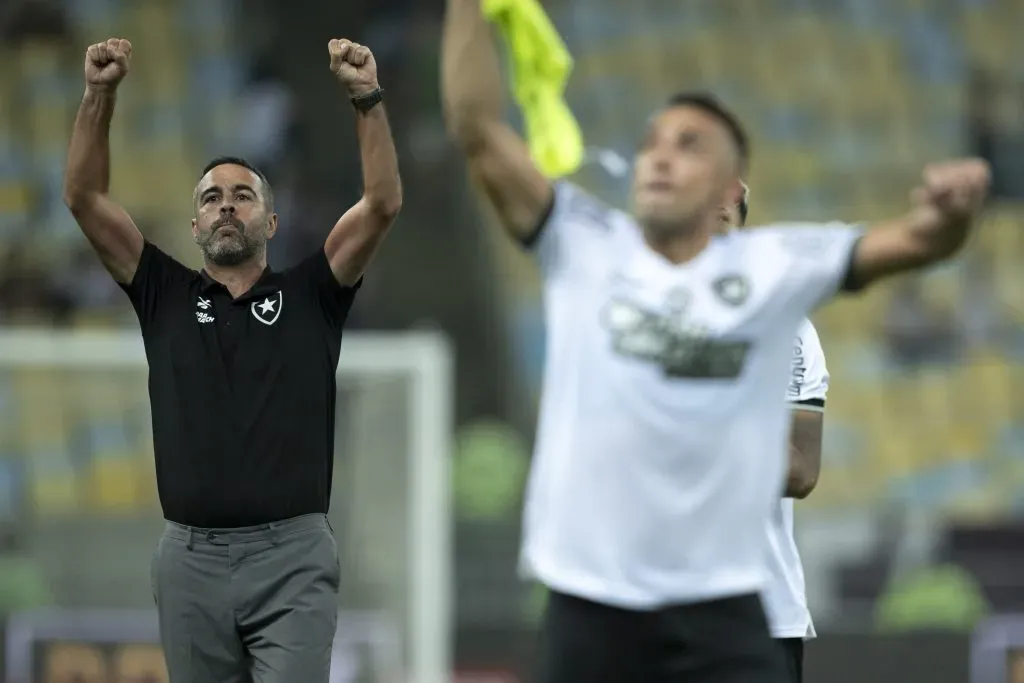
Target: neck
{"points": [[678, 244], [238, 279]]}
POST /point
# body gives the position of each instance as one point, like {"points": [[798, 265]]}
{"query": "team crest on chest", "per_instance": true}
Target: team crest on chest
{"points": [[267, 309], [732, 289]]}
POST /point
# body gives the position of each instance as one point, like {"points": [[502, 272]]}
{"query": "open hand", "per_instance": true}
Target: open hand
{"points": [[354, 66]]}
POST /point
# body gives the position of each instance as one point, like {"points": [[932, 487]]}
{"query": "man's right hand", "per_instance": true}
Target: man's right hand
{"points": [[106, 63], [87, 182]]}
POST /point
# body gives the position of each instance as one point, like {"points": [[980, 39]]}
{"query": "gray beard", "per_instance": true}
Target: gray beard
{"points": [[231, 250]]}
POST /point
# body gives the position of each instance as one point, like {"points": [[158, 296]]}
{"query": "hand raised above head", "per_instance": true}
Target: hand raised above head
{"points": [[354, 66], [106, 63]]}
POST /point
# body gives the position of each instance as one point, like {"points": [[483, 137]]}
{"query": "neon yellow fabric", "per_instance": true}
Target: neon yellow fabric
{"points": [[541, 65]]}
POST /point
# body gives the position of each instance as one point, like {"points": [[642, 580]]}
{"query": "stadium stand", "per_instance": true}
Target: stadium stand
{"points": [[81, 435], [846, 101]]}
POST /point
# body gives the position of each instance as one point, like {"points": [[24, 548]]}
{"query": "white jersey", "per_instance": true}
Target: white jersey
{"points": [[661, 417], [785, 598]]}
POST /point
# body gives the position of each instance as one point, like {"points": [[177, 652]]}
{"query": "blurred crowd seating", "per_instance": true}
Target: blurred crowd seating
{"points": [[846, 101], [165, 121], [74, 440]]}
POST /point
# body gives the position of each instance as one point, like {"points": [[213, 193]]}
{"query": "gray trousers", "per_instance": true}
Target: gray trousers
{"points": [[253, 604]]}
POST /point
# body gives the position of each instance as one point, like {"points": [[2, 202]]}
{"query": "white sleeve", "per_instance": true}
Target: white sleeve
{"points": [[815, 259], [575, 227], [808, 381]]}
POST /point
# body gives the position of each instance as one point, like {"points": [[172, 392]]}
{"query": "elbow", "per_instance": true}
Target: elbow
{"points": [[467, 130], [386, 205], [71, 193], [799, 485], [79, 193], [75, 198]]}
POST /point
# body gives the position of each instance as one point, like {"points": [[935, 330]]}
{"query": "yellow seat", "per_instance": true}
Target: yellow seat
{"points": [[112, 483], [50, 126], [38, 60], [896, 452], [78, 663], [988, 36], [981, 505], [15, 197], [141, 663]]}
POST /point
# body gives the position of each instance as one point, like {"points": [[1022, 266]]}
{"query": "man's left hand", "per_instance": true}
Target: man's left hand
{"points": [[952, 192], [354, 66]]}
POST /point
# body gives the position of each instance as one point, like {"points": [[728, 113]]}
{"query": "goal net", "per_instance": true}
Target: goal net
{"points": [[78, 502]]}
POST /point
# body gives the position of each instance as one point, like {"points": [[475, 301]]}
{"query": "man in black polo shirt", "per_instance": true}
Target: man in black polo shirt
{"points": [[242, 385]]}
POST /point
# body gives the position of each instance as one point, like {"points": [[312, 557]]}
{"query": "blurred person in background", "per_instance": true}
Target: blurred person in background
{"points": [[242, 366], [26, 293], [661, 416], [268, 130], [917, 331], [995, 130], [25, 20], [785, 592]]}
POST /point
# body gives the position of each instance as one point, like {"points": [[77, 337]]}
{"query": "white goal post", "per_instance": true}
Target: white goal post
{"points": [[424, 363]]}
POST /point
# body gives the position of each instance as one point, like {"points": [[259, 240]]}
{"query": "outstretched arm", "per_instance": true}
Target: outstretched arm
{"points": [[471, 94], [87, 180], [356, 236], [944, 210]]}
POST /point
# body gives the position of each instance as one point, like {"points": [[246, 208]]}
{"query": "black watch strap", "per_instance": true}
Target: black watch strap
{"points": [[368, 101]]}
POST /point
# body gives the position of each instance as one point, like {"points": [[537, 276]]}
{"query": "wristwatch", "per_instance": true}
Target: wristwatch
{"points": [[367, 101]]}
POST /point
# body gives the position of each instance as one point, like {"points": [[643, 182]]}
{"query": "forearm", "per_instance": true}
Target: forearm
{"points": [[471, 87], [382, 185], [88, 165], [912, 241], [927, 238], [800, 478], [805, 439]]}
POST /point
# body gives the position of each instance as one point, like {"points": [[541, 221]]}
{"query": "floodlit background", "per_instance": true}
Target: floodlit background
{"points": [[911, 542]]}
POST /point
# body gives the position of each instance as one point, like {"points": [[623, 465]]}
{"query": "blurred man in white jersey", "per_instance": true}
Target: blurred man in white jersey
{"points": [[784, 594], [661, 417]]}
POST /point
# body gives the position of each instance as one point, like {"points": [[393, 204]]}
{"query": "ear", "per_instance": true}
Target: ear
{"points": [[271, 225], [737, 191], [195, 230]]}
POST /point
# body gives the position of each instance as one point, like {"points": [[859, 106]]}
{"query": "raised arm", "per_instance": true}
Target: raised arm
{"points": [[943, 212], [87, 181], [356, 236], [471, 94]]}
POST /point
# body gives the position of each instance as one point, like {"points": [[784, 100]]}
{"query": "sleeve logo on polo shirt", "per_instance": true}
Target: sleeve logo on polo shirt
{"points": [[268, 310]]}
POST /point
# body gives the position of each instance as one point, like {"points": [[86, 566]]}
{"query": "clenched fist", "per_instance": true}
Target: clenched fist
{"points": [[952, 191], [354, 66], [107, 63]]}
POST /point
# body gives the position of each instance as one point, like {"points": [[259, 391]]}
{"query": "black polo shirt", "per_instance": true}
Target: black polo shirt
{"points": [[242, 390]]}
